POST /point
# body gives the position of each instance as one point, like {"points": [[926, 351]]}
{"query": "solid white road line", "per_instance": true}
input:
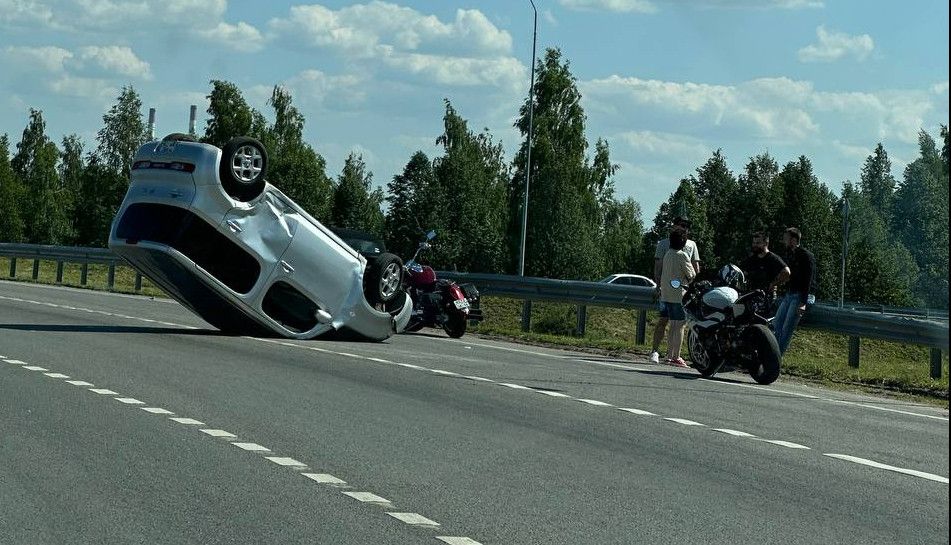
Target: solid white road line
{"points": [[684, 421], [786, 444], [514, 386], [253, 447], [552, 394], [734, 433], [879, 465], [325, 478], [636, 411], [595, 402], [289, 462], [218, 433], [414, 518], [368, 497]]}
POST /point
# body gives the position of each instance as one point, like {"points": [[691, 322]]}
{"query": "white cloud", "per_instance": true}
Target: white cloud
{"points": [[851, 151], [96, 89], [240, 37], [758, 4], [940, 88], [666, 144], [26, 12], [52, 59], [619, 6], [469, 50], [835, 45], [550, 18], [116, 59]]}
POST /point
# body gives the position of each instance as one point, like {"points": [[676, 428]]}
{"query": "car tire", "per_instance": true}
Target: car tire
{"points": [[383, 280], [243, 168]]}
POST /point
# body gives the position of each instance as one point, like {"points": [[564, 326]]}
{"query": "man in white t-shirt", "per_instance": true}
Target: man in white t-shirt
{"points": [[683, 225]]}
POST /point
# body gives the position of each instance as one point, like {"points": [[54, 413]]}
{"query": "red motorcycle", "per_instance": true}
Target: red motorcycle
{"points": [[439, 303]]}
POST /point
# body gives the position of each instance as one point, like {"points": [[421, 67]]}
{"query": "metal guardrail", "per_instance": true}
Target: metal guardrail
{"points": [[856, 324]]}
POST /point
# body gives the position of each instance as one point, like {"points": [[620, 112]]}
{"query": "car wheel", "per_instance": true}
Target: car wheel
{"points": [[384, 279], [243, 168]]}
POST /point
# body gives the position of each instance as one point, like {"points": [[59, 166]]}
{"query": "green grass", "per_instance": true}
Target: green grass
{"points": [[813, 355]]}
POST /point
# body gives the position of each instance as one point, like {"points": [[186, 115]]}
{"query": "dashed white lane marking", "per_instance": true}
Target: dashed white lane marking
{"points": [[253, 447], [188, 421], [786, 444], [218, 433], [552, 393], [879, 465], [684, 421], [636, 411], [734, 433], [414, 519], [156, 410], [56, 375], [595, 402], [325, 478], [15, 362], [79, 383], [103, 391], [35, 368], [130, 401], [288, 462], [367, 497], [457, 540]]}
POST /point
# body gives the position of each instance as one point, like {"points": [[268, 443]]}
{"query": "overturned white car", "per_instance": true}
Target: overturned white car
{"points": [[204, 225]]}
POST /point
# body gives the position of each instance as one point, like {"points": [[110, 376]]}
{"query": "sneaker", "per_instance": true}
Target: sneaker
{"points": [[679, 362], [655, 357]]}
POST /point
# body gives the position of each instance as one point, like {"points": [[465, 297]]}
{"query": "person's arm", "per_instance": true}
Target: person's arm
{"points": [[780, 279], [658, 269], [695, 259], [687, 271]]}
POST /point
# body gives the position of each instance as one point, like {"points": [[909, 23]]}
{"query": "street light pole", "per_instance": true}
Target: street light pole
{"points": [[845, 248], [528, 153]]}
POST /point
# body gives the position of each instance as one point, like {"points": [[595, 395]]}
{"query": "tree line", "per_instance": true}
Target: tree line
{"points": [[473, 196]]}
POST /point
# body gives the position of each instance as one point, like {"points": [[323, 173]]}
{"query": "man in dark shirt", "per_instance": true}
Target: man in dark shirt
{"points": [[802, 283], [763, 269]]}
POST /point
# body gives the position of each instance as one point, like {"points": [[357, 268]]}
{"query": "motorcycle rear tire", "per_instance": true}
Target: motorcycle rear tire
{"points": [[455, 325], [765, 364]]}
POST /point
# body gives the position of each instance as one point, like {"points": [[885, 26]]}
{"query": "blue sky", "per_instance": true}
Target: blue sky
{"points": [[666, 82]]}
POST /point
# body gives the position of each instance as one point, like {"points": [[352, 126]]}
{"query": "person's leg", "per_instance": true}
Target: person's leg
{"points": [[790, 320], [676, 340], [779, 320], [659, 332]]}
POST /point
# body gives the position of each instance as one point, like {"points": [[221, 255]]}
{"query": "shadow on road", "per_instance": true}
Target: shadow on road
{"points": [[73, 328]]}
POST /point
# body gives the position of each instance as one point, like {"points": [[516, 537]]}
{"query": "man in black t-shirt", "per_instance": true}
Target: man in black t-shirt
{"points": [[764, 270], [802, 288]]}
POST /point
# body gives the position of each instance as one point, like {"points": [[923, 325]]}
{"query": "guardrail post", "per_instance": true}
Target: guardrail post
{"points": [[936, 357], [527, 316], [138, 282], [13, 267], [112, 276], [36, 269], [582, 320], [59, 272], [84, 274], [854, 346], [641, 334]]}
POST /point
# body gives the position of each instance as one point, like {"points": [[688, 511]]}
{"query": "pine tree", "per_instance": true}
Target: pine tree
{"points": [[355, 205], [878, 184], [406, 217], [228, 114], [11, 196], [71, 178]]}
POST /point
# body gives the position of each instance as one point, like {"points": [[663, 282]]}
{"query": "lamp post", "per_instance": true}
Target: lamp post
{"points": [[845, 248], [528, 153], [527, 305]]}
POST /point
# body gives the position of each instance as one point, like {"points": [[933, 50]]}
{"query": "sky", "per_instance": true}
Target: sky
{"points": [[665, 82]]}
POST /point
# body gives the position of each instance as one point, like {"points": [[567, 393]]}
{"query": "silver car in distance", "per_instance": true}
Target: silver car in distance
{"points": [[204, 225]]}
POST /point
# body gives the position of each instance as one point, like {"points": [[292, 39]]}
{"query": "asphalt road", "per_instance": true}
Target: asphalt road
{"points": [[424, 439]]}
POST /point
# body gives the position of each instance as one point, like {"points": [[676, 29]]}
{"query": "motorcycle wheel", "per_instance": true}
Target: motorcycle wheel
{"points": [[700, 359], [455, 325], [765, 357]]}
